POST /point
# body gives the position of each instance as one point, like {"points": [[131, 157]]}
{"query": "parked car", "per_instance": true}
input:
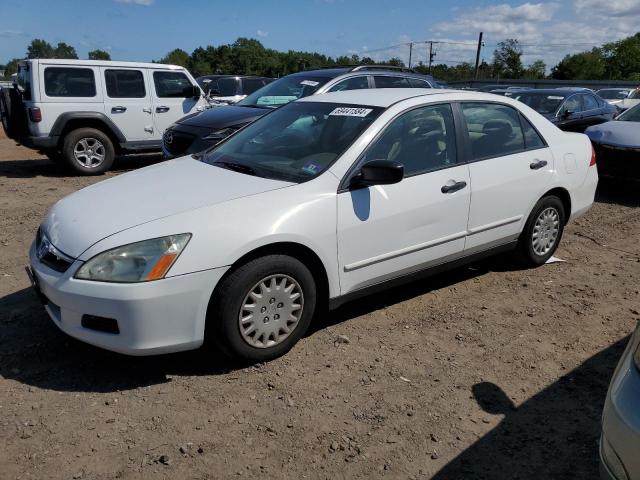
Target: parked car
{"points": [[195, 133], [631, 101], [617, 144], [620, 439], [323, 200], [614, 96], [84, 112], [499, 86], [229, 89], [570, 109]]}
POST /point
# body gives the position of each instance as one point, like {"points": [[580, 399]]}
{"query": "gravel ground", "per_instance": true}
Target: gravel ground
{"points": [[485, 372]]}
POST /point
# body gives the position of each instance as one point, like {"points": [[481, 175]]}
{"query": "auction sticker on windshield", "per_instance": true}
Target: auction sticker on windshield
{"points": [[310, 83], [351, 112]]}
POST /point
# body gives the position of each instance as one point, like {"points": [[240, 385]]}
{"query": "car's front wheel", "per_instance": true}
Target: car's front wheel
{"points": [[262, 308], [543, 231]]}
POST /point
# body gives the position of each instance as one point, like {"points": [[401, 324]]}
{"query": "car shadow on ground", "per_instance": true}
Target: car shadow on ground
{"points": [[619, 191], [560, 422], [34, 352], [42, 167]]}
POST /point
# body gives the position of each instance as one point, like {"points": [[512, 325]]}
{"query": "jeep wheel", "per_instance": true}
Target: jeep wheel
{"points": [[88, 151]]}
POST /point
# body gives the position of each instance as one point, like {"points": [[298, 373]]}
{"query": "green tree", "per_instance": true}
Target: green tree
{"points": [[176, 57], [98, 54], [536, 71], [507, 59], [39, 48], [11, 67], [64, 50], [623, 58], [581, 66]]}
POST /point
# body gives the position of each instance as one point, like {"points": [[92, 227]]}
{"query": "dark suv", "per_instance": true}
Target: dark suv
{"points": [[195, 133], [226, 89]]}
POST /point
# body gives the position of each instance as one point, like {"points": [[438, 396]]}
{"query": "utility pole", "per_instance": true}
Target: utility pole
{"points": [[410, 52], [478, 56], [431, 55]]}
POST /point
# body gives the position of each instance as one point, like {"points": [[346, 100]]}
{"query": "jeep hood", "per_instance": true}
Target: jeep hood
{"points": [[85, 217]]}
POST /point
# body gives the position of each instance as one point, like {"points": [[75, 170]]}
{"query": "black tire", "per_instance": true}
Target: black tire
{"points": [[223, 325], [14, 117], [534, 256], [94, 139]]}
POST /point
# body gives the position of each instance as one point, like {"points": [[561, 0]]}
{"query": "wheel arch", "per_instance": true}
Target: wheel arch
{"points": [[67, 122], [296, 250], [565, 197]]}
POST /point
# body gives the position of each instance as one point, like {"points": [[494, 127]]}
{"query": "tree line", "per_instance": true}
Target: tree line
{"points": [[246, 56]]}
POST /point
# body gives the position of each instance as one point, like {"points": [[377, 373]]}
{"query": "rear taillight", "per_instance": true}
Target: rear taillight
{"points": [[593, 157], [35, 114]]}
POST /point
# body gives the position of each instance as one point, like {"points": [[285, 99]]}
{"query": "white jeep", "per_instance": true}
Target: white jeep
{"points": [[84, 112]]}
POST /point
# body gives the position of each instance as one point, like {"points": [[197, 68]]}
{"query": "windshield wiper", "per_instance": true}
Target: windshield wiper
{"points": [[236, 167]]}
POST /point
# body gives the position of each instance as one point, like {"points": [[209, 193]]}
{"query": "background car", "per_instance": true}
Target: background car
{"points": [[620, 439], [243, 242], [228, 89], [195, 133], [569, 109], [614, 96], [617, 144]]}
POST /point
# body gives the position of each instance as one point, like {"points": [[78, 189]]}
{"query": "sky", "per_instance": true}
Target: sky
{"points": [[142, 30]]}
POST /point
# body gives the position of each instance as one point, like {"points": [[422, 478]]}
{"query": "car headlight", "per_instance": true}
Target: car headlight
{"points": [[137, 262]]}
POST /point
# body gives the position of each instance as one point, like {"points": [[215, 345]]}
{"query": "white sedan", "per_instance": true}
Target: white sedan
{"points": [[320, 201]]}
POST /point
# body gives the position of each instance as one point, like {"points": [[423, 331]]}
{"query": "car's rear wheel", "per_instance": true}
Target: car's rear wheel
{"points": [[88, 151], [262, 308], [543, 231]]}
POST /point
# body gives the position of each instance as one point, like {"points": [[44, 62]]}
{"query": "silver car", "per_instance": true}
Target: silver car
{"points": [[620, 440]]}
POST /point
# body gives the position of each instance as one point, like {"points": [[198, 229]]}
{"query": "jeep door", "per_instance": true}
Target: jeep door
{"points": [[172, 98], [127, 102]]}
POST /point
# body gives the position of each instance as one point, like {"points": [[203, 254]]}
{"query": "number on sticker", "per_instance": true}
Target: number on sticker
{"points": [[351, 112]]}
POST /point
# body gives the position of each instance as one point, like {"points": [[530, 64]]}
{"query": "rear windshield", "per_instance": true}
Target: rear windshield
{"points": [[284, 90], [69, 82], [631, 115], [294, 143], [543, 103], [24, 80]]}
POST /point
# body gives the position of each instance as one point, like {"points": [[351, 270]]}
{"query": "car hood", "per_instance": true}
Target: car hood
{"points": [[225, 116], [85, 217], [617, 133]]}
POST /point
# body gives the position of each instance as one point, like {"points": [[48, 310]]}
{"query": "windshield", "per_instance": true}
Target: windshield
{"points": [[285, 90], [543, 103], [294, 143], [635, 94], [613, 94], [631, 115]]}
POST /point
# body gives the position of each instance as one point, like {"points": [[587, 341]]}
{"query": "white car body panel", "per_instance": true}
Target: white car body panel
{"points": [[361, 237]]}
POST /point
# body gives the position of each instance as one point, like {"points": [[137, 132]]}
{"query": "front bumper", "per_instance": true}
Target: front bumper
{"points": [[618, 161], [153, 317], [621, 419], [185, 140]]}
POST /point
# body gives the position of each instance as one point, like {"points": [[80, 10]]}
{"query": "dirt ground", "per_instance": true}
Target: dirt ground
{"points": [[486, 372]]}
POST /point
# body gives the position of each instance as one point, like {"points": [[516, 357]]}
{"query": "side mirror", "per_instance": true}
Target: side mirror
{"points": [[566, 113], [378, 172], [192, 91]]}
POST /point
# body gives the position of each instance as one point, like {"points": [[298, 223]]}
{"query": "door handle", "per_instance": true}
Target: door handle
{"points": [[538, 164], [162, 109], [118, 109], [454, 187], [146, 109]]}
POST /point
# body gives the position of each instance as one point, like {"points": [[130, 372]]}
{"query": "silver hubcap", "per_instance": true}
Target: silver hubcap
{"points": [[89, 152], [545, 231], [271, 311]]}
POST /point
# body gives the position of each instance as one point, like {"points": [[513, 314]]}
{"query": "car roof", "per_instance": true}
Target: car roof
{"points": [[229, 76], [381, 97], [103, 63], [364, 70], [554, 91]]}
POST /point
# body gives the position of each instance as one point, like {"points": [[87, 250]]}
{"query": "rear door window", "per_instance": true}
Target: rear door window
{"points": [[494, 130], [590, 102], [383, 81], [69, 82], [227, 87], [125, 84], [353, 83], [416, 83], [532, 138], [171, 85]]}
